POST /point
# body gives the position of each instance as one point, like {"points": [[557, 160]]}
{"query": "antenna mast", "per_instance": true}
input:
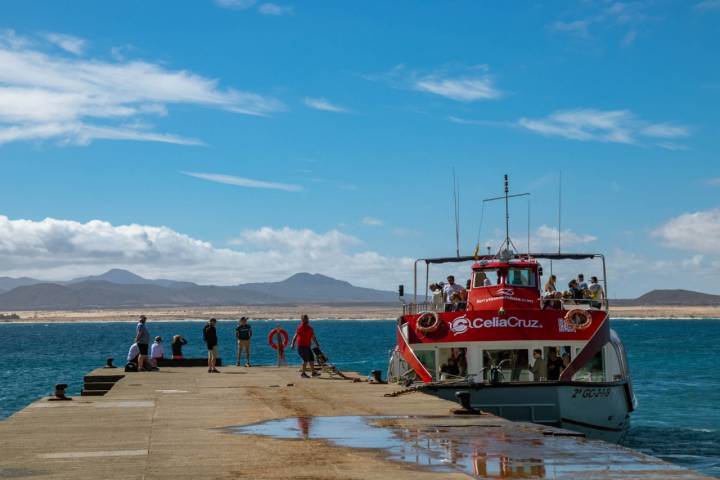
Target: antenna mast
{"points": [[456, 200], [507, 245], [559, 211], [507, 214]]}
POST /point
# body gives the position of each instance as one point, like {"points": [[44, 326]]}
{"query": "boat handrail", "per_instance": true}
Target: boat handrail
{"points": [[413, 308]]}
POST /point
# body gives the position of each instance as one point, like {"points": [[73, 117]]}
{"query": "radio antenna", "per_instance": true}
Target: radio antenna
{"points": [[456, 202], [559, 211]]}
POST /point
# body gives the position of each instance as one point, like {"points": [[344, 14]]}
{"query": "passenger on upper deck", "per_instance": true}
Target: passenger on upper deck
{"points": [[595, 289], [452, 287], [582, 285], [575, 292], [550, 288], [437, 296]]}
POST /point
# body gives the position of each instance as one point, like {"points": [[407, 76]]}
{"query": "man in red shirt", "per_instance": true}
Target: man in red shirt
{"points": [[304, 336]]}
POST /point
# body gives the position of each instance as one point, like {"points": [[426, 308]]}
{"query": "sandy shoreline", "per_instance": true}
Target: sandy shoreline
{"points": [[315, 311]]}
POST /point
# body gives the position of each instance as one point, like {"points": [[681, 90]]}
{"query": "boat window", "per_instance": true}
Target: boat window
{"points": [[521, 277], [427, 358], [487, 277], [554, 360], [513, 364], [593, 370]]}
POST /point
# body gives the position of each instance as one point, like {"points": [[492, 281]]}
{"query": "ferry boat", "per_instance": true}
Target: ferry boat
{"points": [[490, 338]]}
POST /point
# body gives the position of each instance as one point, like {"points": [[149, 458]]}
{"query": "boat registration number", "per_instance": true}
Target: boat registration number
{"points": [[600, 392]]}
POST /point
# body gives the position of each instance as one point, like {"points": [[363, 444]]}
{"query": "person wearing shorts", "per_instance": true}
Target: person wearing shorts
{"points": [[243, 333], [142, 339], [210, 337], [304, 337]]}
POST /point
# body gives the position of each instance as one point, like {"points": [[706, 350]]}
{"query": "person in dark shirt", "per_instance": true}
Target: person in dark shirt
{"points": [[210, 338], [177, 343], [243, 333], [554, 365]]}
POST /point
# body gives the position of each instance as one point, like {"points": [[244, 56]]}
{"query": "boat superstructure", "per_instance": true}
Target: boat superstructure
{"points": [[519, 353]]}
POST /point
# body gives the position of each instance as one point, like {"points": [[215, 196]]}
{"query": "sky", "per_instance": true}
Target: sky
{"points": [[230, 141]]}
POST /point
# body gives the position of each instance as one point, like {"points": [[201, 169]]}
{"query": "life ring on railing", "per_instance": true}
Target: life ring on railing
{"points": [[428, 322], [282, 340], [578, 319]]}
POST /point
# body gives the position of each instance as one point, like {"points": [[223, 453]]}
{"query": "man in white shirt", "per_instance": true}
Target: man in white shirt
{"points": [[582, 284], [133, 352], [156, 351], [451, 288]]}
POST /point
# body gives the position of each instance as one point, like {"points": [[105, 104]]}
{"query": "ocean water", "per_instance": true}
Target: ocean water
{"points": [[675, 370]]}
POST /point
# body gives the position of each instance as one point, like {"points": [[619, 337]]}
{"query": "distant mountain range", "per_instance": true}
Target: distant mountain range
{"points": [[118, 288], [684, 298], [121, 288]]}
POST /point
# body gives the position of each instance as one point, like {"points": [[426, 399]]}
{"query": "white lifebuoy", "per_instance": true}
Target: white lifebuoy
{"points": [[578, 319], [427, 322]]}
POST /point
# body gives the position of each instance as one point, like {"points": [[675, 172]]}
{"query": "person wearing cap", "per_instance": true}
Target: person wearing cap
{"points": [[304, 336], [142, 338], [156, 352], [210, 338], [243, 333]]}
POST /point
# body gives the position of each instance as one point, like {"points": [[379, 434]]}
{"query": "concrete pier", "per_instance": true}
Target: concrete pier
{"points": [[175, 423]]}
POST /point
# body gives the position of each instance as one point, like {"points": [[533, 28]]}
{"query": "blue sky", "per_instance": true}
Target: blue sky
{"points": [[237, 140]]}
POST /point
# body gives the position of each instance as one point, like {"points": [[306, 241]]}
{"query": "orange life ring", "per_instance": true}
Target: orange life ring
{"points": [[428, 322], [282, 341], [571, 319]]}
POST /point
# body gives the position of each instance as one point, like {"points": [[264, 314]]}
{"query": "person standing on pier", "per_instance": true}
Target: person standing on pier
{"points": [[243, 333], [210, 338], [142, 338], [304, 336]]}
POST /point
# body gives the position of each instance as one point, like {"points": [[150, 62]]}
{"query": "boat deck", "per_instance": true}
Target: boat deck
{"points": [[174, 424]]}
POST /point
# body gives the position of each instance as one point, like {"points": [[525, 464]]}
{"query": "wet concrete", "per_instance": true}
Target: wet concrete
{"points": [[174, 425], [450, 444]]}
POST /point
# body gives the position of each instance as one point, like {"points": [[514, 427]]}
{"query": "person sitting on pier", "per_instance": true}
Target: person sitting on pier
{"points": [[177, 343], [156, 351], [539, 367], [449, 289]]}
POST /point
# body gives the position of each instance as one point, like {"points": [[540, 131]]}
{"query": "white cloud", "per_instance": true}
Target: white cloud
{"points": [[69, 43], [708, 5], [546, 238], [460, 83], [244, 182], [462, 89], [629, 38], [618, 126], [275, 9], [235, 4], [322, 104], [372, 222], [40, 93], [697, 231], [577, 27], [62, 249], [294, 239]]}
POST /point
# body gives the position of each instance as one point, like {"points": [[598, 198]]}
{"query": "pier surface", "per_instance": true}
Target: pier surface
{"points": [[177, 424]]}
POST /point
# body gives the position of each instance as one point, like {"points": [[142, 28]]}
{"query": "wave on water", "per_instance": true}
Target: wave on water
{"points": [[694, 448]]}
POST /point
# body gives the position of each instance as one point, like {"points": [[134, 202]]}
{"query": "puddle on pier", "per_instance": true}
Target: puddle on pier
{"points": [[482, 451]]}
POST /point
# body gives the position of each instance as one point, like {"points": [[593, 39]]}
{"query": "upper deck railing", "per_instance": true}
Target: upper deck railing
{"points": [[545, 304]]}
